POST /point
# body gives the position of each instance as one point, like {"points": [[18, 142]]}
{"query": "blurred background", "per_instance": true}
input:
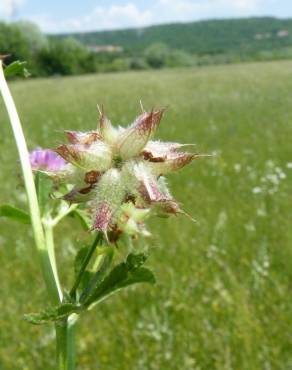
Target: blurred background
{"points": [[86, 37], [224, 69]]}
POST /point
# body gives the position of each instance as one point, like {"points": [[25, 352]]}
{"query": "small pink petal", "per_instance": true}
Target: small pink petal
{"points": [[103, 217], [149, 189], [46, 160]]}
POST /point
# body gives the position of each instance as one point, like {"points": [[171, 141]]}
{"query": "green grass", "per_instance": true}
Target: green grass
{"points": [[223, 297]]}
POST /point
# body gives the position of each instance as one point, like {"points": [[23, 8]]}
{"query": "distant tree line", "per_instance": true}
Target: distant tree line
{"points": [[49, 56], [208, 37], [52, 56]]}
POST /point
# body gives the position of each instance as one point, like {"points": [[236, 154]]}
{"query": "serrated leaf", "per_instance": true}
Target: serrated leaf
{"points": [[123, 275], [16, 68], [52, 314], [44, 189], [15, 214]]}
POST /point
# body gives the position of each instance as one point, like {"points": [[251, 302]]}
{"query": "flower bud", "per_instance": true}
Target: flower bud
{"points": [[173, 161], [94, 157], [133, 139], [77, 137]]}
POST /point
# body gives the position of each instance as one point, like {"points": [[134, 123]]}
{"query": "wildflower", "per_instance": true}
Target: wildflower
{"points": [[256, 190], [119, 172], [46, 159]]}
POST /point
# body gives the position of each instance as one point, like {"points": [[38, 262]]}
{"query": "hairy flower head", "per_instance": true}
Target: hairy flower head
{"points": [[119, 172]]}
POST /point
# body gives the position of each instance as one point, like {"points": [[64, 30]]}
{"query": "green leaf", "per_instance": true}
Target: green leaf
{"points": [[80, 257], [140, 275], [83, 218], [14, 214], [85, 282], [135, 260], [44, 188], [87, 275], [52, 314], [16, 68], [123, 275], [105, 259]]}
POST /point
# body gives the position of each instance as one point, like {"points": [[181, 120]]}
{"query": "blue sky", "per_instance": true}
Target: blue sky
{"points": [[84, 15]]}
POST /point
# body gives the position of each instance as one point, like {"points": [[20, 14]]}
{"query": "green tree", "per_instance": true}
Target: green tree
{"points": [[156, 55], [64, 57], [14, 43]]}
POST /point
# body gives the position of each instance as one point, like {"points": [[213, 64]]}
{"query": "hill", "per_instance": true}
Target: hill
{"points": [[247, 36]]}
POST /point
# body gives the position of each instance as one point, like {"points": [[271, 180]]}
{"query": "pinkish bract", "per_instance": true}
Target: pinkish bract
{"points": [[119, 172]]}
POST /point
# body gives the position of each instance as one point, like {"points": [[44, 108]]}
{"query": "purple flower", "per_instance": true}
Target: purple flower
{"points": [[46, 160]]}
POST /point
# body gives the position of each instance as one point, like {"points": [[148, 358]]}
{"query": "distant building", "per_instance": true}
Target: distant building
{"points": [[105, 48], [261, 36], [267, 35], [283, 33]]}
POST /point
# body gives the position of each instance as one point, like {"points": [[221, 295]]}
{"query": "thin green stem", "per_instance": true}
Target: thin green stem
{"points": [[49, 237], [42, 240], [97, 240], [71, 332], [61, 345], [65, 343], [63, 214], [38, 232]]}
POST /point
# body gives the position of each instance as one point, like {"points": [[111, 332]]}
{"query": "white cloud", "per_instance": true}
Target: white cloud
{"points": [[9, 8], [131, 15], [185, 10], [101, 18]]}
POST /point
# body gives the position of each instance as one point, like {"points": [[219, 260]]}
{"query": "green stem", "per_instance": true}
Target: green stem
{"points": [[71, 331], [63, 214], [65, 343], [49, 237], [47, 270], [97, 240], [42, 241], [61, 345]]}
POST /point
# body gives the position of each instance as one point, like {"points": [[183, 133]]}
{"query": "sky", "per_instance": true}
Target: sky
{"points": [[58, 16]]}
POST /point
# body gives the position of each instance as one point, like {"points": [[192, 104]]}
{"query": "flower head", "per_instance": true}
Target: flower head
{"points": [[117, 171]]}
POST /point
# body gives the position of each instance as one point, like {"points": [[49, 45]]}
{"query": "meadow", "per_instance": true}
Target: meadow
{"points": [[223, 293]]}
